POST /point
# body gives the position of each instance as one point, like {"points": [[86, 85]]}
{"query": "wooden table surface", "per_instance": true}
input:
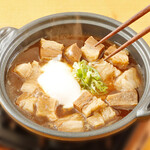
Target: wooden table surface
{"points": [[17, 13]]}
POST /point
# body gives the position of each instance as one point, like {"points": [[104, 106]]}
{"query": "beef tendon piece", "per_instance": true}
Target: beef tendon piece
{"points": [[50, 49], [71, 123], [35, 71], [108, 114], [123, 100], [106, 70], [128, 80], [72, 126], [119, 60], [29, 86], [26, 103], [74, 116], [73, 53], [82, 100], [96, 120], [94, 104], [46, 107], [24, 70], [89, 51]]}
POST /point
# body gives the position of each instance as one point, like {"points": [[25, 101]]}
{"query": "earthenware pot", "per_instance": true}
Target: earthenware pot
{"points": [[14, 41]]}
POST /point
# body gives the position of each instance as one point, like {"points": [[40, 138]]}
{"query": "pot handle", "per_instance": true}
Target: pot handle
{"points": [[144, 111], [5, 34]]}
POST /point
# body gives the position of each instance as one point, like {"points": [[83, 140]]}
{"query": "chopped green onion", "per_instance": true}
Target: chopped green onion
{"points": [[89, 78]]}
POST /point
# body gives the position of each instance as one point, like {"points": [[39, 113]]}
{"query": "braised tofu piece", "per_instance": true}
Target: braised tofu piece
{"points": [[26, 103], [46, 107], [108, 114], [94, 104], [29, 86], [96, 120], [24, 70], [73, 53], [106, 70], [71, 126], [119, 60], [50, 49], [127, 81], [82, 100], [123, 100], [89, 51]]}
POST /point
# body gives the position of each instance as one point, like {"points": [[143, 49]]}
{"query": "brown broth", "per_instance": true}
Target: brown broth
{"points": [[14, 82]]}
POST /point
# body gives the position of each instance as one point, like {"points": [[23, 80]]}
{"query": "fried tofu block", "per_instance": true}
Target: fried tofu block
{"points": [[127, 81], [26, 103], [71, 126], [29, 86], [119, 60], [94, 104], [89, 51], [106, 70], [73, 53], [24, 70], [108, 114], [123, 100], [50, 49], [82, 100], [96, 120], [46, 107]]}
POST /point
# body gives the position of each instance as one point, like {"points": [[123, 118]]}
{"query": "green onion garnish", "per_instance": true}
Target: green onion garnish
{"points": [[89, 78]]}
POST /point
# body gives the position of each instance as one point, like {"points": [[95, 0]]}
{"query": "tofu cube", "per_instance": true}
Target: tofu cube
{"points": [[24, 70], [73, 53], [89, 51], [50, 49], [119, 60], [96, 120], [128, 80], [123, 100], [82, 100], [106, 70], [94, 104]]}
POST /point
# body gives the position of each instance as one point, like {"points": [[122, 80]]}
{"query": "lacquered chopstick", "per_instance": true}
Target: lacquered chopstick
{"points": [[135, 38], [125, 24]]}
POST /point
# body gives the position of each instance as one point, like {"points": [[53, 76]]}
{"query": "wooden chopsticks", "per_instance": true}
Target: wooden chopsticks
{"points": [[139, 35], [125, 24]]}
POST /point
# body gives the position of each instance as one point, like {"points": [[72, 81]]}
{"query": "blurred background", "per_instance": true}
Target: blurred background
{"points": [[17, 13]]}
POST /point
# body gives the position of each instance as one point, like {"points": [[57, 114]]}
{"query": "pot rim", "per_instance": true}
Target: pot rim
{"points": [[21, 119]]}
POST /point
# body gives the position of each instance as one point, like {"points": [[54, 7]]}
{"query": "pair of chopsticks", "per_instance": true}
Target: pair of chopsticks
{"points": [[125, 24]]}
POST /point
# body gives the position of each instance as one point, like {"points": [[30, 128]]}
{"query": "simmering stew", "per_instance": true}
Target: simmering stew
{"points": [[63, 84]]}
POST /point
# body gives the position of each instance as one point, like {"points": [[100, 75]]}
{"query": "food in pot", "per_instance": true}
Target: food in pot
{"points": [[66, 86]]}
